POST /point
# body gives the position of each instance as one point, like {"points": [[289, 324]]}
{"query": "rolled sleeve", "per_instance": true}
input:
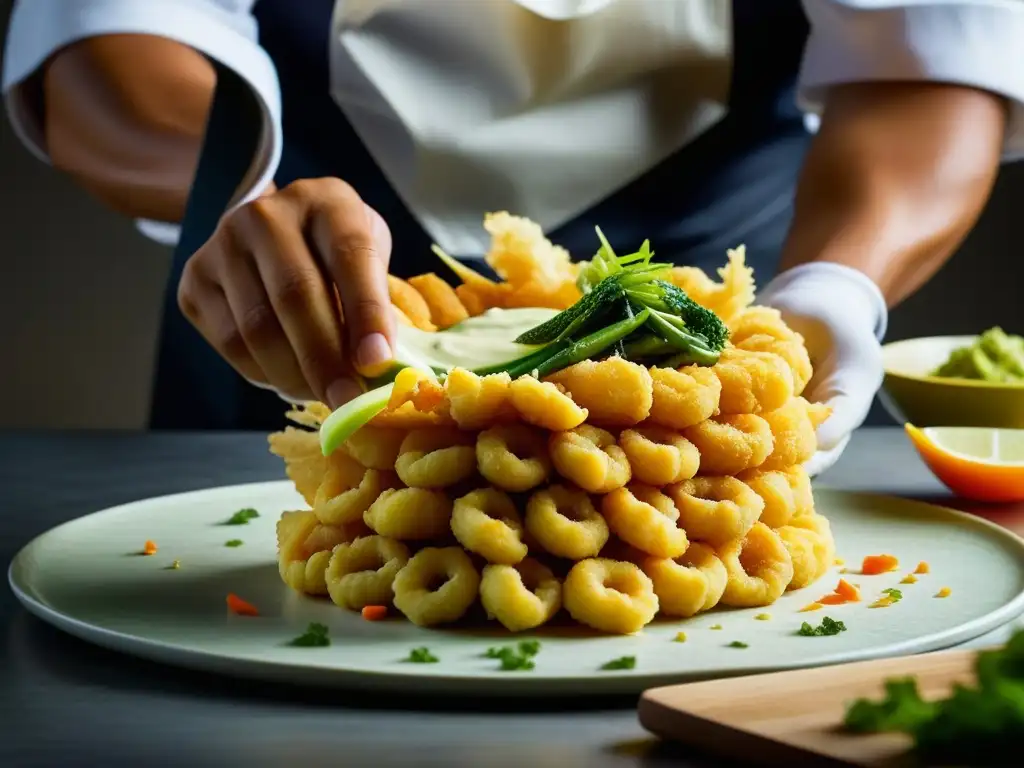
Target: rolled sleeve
{"points": [[223, 30], [976, 43]]}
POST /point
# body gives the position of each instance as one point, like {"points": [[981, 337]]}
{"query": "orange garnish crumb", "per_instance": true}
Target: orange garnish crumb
{"points": [[845, 592], [374, 612], [149, 548], [811, 607], [240, 607], [923, 567], [909, 579], [944, 592], [873, 565]]}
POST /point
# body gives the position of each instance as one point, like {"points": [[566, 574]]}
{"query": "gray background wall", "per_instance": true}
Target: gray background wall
{"points": [[80, 292]]}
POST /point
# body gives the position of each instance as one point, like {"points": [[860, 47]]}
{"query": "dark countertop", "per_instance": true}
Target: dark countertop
{"points": [[66, 703]]}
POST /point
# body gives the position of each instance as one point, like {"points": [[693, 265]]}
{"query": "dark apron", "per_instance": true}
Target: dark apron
{"points": [[733, 185]]}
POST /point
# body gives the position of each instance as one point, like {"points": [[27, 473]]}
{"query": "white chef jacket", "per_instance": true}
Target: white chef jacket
{"points": [[540, 107]]}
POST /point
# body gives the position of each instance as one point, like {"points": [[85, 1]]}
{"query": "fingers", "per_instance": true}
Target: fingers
{"points": [[824, 460], [354, 246]]}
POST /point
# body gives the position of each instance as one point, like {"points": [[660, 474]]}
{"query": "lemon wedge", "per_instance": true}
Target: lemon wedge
{"points": [[977, 463]]}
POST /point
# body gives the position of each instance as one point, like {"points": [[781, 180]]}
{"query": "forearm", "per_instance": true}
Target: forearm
{"points": [[124, 117], [895, 179]]}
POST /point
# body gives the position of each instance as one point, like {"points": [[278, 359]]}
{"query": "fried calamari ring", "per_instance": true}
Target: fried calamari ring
{"points": [[590, 458], [776, 490], [752, 382], [614, 392], [543, 404], [794, 428], [791, 349], [521, 596], [514, 457], [304, 549], [362, 572], [304, 462], [803, 496], [759, 568], [715, 510], [645, 518], [688, 584], [685, 397], [811, 551], [487, 523], [659, 456], [411, 304], [445, 307], [337, 505], [819, 535], [436, 458], [436, 586], [476, 402], [609, 596], [375, 447], [564, 522], [730, 444], [410, 514]]}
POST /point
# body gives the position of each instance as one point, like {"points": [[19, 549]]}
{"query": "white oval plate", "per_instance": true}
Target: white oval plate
{"points": [[87, 578]]}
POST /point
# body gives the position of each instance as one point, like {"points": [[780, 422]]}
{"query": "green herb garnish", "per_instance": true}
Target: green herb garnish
{"points": [[515, 657], [623, 662], [974, 725], [826, 628], [893, 594], [242, 517], [315, 636], [422, 656], [738, 644], [233, 543]]}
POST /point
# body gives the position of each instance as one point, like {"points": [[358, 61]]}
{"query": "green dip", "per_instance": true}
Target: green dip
{"points": [[996, 356]]}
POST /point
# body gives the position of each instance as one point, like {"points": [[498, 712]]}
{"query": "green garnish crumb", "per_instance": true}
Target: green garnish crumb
{"points": [[971, 726], [242, 517], [234, 543], [827, 627], [515, 658], [175, 565], [624, 662], [422, 656], [893, 594], [738, 644], [315, 636], [680, 637], [763, 617], [715, 626]]}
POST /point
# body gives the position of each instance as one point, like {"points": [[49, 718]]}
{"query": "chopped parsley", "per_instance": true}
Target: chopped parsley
{"points": [[893, 594], [624, 662], [715, 626], [242, 517], [515, 658], [972, 726], [233, 543], [422, 656], [680, 637], [738, 644], [315, 636], [826, 628]]}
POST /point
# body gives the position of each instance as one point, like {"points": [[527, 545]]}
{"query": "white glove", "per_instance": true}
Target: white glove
{"points": [[842, 316]]}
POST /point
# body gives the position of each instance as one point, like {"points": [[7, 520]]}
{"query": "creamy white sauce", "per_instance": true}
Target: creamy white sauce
{"points": [[477, 342]]}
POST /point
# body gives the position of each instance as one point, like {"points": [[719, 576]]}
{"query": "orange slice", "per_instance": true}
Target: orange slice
{"points": [[977, 463]]}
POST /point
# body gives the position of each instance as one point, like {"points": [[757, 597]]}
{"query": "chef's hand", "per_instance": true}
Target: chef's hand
{"points": [[262, 291], [842, 316]]}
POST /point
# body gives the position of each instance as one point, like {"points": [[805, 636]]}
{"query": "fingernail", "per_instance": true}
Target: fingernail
{"points": [[341, 391], [373, 354]]}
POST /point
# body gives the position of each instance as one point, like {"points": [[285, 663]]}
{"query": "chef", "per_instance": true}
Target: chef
{"points": [[850, 144]]}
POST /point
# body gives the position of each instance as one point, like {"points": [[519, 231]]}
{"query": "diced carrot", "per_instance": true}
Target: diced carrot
{"points": [[374, 612], [848, 590], [944, 592], [873, 565], [923, 567], [240, 607], [149, 548], [811, 607], [832, 599]]}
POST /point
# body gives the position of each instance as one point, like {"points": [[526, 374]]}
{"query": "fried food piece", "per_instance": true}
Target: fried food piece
{"points": [[375, 447], [362, 572], [409, 301], [436, 458], [342, 499], [565, 523], [685, 397], [304, 549], [645, 518], [476, 402], [522, 596], [304, 462], [589, 457], [727, 298], [615, 392], [752, 382], [759, 567], [730, 444], [794, 428], [715, 510], [811, 548], [424, 603], [659, 456], [521, 254], [776, 490], [545, 405], [486, 522], [513, 457], [610, 596], [689, 584], [410, 514], [446, 309]]}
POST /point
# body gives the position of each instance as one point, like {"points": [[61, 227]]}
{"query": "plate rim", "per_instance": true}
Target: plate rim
{"points": [[498, 686]]}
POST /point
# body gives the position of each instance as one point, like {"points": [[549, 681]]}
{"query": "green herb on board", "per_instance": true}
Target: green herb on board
{"points": [[515, 658], [827, 627], [738, 644], [422, 656], [233, 543], [315, 636], [893, 594], [623, 662], [242, 517]]}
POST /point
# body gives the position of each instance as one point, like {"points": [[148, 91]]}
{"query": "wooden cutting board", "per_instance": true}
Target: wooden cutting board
{"points": [[795, 717]]}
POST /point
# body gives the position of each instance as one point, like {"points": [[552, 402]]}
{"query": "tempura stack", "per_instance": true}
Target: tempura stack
{"points": [[614, 491]]}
